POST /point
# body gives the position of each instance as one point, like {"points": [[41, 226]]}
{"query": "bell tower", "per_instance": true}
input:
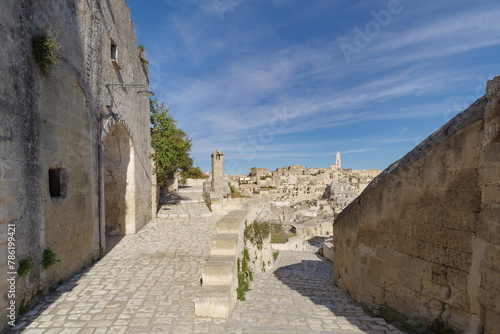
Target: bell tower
{"points": [[337, 161]]}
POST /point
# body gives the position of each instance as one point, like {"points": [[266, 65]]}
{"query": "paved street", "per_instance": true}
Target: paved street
{"points": [[147, 282]]}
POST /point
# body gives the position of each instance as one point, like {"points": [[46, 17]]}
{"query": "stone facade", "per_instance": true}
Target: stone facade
{"points": [[60, 187], [424, 237]]}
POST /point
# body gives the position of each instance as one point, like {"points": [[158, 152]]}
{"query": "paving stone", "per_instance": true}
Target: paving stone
{"points": [[147, 282]]}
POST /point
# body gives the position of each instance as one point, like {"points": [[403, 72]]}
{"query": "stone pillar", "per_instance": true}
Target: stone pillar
{"points": [[217, 172]]}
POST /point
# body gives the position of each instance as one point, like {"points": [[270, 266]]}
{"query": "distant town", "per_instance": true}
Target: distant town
{"points": [[305, 200]]}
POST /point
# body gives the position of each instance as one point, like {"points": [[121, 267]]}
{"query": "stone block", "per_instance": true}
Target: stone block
{"points": [[486, 297], [489, 229], [457, 259], [219, 270], [456, 278], [490, 280], [434, 290], [225, 245], [492, 323], [430, 252], [492, 257], [464, 200], [436, 171], [491, 151], [459, 298], [466, 178], [459, 240], [410, 280], [489, 173], [459, 220], [372, 276], [411, 196], [459, 318], [491, 194], [421, 268], [439, 274], [429, 233], [393, 257]]}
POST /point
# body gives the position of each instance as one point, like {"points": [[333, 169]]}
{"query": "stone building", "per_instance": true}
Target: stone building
{"points": [[74, 146], [424, 236]]}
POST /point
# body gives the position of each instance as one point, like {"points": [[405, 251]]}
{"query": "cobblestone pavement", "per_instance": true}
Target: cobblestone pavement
{"points": [[147, 282]]}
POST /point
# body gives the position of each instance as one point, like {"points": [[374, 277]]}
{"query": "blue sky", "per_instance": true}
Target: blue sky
{"points": [[281, 82]]}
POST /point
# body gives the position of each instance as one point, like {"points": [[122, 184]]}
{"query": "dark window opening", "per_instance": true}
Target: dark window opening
{"points": [[58, 182], [114, 50], [54, 182]]}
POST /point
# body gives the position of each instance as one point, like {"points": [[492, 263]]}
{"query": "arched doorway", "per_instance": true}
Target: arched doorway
{"points": [[119, 182]]}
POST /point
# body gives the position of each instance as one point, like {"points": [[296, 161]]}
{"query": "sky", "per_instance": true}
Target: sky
{"points": [[273, 83]]}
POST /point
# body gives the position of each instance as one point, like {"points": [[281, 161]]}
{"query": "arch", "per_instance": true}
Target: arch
{"points": [[119, 181]]}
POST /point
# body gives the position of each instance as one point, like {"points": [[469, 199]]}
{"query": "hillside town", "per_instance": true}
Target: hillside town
{"points": [[299, 195]]}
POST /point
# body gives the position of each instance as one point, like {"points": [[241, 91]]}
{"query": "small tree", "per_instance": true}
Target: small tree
{"points": [[171, 145]]}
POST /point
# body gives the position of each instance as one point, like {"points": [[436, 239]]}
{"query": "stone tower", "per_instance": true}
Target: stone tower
{"points": [[217, 172], [337, 162]]}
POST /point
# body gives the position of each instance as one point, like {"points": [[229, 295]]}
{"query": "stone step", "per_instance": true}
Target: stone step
{"points": [[239, 213], [219, 270], [224, 244], [213, 301], [228, 225]]}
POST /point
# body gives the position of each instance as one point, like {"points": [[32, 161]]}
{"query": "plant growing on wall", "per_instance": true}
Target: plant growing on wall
{"points": [[49, 258], [257, 232], [44, 49], [171, 145], [245, 275], [25, 266]]}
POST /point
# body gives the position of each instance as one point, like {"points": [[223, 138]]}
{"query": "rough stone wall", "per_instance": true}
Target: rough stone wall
{"points": [[424, 237], [53, 123], [129, 109]]}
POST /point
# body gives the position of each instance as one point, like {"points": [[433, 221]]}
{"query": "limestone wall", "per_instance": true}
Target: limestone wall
{"points": [[424, 237], [50, 130]]}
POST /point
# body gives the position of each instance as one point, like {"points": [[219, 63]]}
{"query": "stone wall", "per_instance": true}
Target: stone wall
{"points": [[424, 237], [52, 169]]}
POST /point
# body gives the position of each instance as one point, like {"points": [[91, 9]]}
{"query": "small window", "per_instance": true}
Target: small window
{"points": [[58, 180], [327, 233], [114, 49]]}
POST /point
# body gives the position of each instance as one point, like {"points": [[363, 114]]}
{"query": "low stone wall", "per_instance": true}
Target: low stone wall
{"points": [[328, 250], [217, 296], [259, 208], [424, 237], [294, 244], [195, 182]]}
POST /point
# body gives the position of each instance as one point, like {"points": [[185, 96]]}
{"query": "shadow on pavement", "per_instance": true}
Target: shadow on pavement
{"points": [[314, 279]]}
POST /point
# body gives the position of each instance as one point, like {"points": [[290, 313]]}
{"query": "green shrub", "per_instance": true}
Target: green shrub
{"points": [[141, 48], [44, 50], [257, 232], [245, 275], [49, 258], [25, 266]]}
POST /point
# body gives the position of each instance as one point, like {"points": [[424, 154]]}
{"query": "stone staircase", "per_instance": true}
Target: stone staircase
{"points": [[217, 295], [188, 202]]}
